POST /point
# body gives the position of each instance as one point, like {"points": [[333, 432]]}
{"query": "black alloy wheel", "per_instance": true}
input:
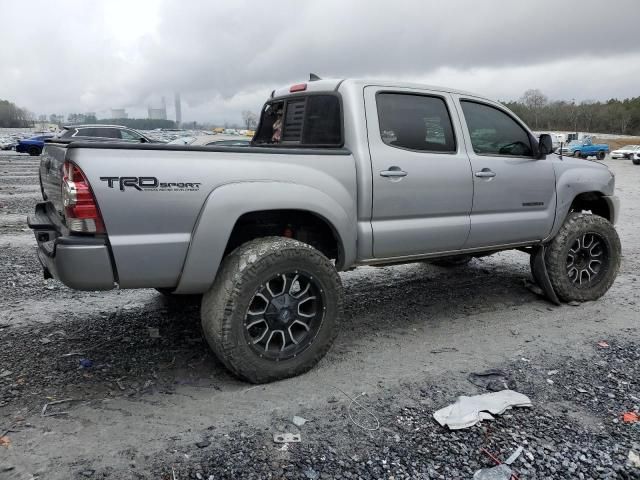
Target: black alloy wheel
{"points": [[285, 315]]}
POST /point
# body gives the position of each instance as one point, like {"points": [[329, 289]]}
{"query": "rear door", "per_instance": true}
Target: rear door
{"points": [[422, 184], [514, 197]]}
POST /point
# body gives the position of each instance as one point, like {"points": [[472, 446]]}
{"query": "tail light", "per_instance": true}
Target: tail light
{"points": [[80, 207]]}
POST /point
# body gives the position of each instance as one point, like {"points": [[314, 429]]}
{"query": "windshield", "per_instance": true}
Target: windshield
{"points": [[629, 147], [575, 142]]}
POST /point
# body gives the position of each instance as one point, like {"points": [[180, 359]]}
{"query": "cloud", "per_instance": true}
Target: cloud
{"points": [[227, 56]]}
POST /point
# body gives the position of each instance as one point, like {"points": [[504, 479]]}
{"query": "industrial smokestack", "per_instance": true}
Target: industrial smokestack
{"points": [[178, 110]]}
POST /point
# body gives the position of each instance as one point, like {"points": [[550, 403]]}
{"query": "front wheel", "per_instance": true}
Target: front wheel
{"points": [[600, 155], [636, 161], [577, 154], [274, 309], [583, 259]]}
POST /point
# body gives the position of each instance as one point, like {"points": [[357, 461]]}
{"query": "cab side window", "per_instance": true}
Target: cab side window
{"points": [[493, 132], [127, 135], [415, 122]]}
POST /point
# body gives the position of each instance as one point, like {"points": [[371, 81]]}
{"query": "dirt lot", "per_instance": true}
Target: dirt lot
{"points": [[146, 399]]}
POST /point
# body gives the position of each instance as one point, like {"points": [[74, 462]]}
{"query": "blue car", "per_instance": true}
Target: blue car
{"points": [[33, 146]]}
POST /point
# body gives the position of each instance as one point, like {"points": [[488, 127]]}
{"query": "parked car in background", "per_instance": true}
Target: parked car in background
{"points": [[117, 132], [7, 144], [219, 140], [33, 146], [625, 152], [585, 148]]}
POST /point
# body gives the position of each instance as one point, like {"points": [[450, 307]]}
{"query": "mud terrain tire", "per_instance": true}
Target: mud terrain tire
{"points": [[583, 259], [251, 274]]}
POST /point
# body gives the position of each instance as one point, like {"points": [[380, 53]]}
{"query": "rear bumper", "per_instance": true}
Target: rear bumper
{"points": [[82, 263]]}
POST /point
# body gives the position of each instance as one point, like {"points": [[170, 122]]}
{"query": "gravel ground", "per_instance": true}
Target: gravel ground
{"points": [[150, 401]]}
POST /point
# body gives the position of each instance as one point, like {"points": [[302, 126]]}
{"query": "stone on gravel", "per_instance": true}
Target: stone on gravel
{"points": [[633, 459], [299, 421], [203, 443]]}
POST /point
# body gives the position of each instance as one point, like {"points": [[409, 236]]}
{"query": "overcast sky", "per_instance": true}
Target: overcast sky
{"points": [[68, 56]]}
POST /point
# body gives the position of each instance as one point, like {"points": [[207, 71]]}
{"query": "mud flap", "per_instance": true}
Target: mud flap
{"points": [[540, 275]]}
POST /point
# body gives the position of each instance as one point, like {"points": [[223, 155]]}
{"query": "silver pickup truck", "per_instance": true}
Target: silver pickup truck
{"points": [[340, 173]]}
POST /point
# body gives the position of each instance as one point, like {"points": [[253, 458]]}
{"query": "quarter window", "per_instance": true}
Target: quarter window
{"points": [[415, 122], [493, 132], [127, 135]]}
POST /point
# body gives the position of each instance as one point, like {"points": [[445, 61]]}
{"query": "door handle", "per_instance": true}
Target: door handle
{"points": [[393, 172], [485, 173]]}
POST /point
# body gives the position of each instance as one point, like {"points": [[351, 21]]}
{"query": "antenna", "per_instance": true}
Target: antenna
{"points": [[313, 77]]}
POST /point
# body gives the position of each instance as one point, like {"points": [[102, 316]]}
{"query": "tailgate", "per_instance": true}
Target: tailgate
{"points": [[51, 162]]}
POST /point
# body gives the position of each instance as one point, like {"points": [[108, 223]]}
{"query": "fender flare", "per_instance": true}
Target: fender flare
{"points": [[230, 201]]}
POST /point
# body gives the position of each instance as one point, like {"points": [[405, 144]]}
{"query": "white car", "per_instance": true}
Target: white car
{"points": [[7, 144], [211, 140], [625, 152]]}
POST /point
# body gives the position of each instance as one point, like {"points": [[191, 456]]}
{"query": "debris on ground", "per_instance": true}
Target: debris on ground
{"points": [[603, 344], [514, 456], [633, 460], [5, 441], [153, 332], [44, 412], [493, 380], [468, 411], [499, 472], [299, 421], [630, 417], [286, 437], [85, 363]]}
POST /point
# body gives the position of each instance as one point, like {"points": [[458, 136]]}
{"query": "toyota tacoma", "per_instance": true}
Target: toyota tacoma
{"points": [[340, 173]]}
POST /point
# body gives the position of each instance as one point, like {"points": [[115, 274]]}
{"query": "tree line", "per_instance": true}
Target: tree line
{"points": [[611, 116], [12, 116]]}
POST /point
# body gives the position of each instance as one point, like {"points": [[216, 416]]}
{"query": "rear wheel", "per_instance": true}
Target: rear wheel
{"points": [[600, 155], [636, 161], [34, 151], [583, 258], [274, 309]]}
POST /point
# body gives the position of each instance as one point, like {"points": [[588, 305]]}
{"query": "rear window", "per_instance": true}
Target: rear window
{"points": [[310, 120], [99, 132]]}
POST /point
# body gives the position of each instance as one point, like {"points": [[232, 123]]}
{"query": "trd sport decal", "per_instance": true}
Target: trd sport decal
{"points": [[150, 184]]}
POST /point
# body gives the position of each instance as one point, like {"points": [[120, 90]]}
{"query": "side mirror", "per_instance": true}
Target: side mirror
{"points": [[545, 145]]}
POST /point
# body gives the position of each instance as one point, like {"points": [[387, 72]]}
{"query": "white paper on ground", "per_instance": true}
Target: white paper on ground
{"points": [[468, 411]]}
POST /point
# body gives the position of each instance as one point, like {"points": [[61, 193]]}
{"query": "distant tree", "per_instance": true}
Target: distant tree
{"points": [[249, 119], [535, 101], [612, 116], [12, 116]]}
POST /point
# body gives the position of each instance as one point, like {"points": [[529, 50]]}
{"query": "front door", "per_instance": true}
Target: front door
{"points": [[422, 183], [514, 198]]}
